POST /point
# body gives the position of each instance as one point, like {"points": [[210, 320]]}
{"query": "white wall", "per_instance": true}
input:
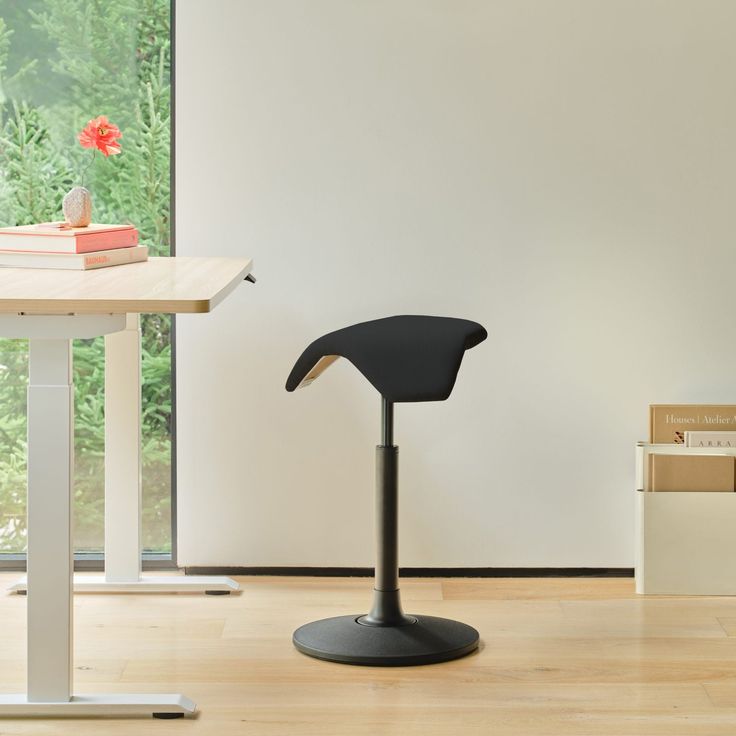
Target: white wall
{"points": [[562, 172]]}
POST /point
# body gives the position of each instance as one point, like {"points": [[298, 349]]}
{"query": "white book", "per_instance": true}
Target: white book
{"points": [[710, 439], [74, 261]]}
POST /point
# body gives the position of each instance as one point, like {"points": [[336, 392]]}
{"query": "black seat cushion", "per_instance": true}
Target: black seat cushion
{"points": [[406, 358]]}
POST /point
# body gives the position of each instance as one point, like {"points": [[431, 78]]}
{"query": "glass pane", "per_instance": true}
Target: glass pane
{"points": [[63, 62], [13, 381]]}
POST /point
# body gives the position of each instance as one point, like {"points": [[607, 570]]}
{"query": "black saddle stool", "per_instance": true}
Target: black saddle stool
{"points": [[409, 358]]}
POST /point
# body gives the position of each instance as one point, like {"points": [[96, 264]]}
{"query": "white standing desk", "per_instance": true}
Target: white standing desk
{"points": [[51, 308]]}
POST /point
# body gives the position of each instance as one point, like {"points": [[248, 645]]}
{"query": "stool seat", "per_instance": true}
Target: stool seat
{"points": [[406, 358]]}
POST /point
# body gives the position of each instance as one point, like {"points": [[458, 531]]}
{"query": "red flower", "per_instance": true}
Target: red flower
{"points": [[102, 134]]}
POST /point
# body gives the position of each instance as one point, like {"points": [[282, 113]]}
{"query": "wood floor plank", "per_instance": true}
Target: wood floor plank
{"points": [[538, 588], [579, 657], [728, 624]]}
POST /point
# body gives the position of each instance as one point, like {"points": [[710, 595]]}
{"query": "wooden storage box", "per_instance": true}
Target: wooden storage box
{"points": [[686, 541]]}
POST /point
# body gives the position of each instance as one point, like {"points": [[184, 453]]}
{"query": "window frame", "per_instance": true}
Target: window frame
{"points": [[89, 561]]}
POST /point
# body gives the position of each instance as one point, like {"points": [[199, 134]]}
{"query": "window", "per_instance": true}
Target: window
{"points": [[63, 62]]}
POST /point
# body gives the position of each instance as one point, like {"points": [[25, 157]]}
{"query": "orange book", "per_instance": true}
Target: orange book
{"points": [[58, 237]]}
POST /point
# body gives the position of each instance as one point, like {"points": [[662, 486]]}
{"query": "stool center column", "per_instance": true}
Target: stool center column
{"points": [[386, 609]]}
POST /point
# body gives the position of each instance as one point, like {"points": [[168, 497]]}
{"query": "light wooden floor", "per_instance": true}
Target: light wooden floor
{"points": [[583, 657]]}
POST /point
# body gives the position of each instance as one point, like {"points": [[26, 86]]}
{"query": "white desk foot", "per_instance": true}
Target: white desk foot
{"points": [[100, 706], [218, 584]]}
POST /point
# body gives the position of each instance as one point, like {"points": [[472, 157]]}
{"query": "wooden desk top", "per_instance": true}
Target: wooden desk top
{"points": [[179, 285]]}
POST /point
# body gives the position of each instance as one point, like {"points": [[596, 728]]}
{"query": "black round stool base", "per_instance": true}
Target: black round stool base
{"points": [[428, 641]]}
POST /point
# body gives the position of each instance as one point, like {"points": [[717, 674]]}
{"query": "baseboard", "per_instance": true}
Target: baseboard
{"points": [[424, 572]]}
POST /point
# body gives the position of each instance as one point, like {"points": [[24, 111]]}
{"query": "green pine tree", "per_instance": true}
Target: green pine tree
{"points": [[62, 63]]}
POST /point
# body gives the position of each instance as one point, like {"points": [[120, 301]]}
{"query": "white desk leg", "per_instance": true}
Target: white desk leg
{"points": [[50, 554], [50, 557], [123, 453], [123, 481]]}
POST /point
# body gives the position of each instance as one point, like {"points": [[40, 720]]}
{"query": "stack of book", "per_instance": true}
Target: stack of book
{"points": [[57, 245], [709, 428]]}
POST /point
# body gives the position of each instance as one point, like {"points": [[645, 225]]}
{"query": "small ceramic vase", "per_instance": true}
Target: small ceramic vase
{"points": [[77, 207]]}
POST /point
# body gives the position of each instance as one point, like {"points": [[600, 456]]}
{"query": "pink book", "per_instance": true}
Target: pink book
{"points": [[58, 237]]}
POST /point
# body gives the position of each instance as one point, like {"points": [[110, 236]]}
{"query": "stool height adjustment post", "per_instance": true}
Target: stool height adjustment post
{"points": [[386, 609], [387, 422]]}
